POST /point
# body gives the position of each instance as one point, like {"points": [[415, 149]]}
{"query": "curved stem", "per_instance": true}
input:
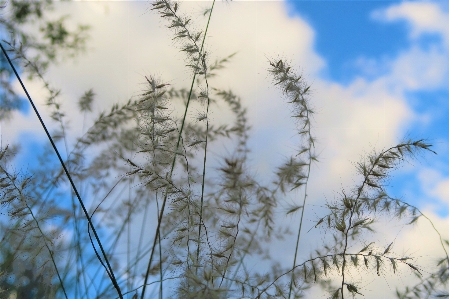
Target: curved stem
{"points": [[108, 268], [300, 228]]}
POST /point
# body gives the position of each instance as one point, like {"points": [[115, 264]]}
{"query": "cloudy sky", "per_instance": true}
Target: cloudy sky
{"points": [[379, 72]]}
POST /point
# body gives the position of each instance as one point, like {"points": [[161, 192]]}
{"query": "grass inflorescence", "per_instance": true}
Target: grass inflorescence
{"points": [[147, 166]]}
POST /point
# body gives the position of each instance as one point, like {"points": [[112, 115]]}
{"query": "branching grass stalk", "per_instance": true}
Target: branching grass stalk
{"points": [[234, 241], [343, 256], [109, 268], [17, 223], [301, 219], [245, 251], [296, 90], [30, 207], [203, 183], [189, 207], [157, 206], [231, 219], [58, 116], [23, 199], [177, 146], [412, 207], [373, 173]]}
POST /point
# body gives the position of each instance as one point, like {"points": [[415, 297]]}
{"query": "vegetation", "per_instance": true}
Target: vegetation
{"points": [[198, 230]]}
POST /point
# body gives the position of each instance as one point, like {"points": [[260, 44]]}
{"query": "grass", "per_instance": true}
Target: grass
{"points": [[140, 168]]}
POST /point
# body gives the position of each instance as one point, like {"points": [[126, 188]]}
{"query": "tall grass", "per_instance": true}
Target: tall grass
{"points": [[139, 168]]}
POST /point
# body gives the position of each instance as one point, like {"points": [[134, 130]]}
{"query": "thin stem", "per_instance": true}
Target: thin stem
{"points": [[109, 268], [300, 226], [128, 251], [203, 183], [173, 162], [139, 246], [246, 251], [160, 258], [22, 196]]}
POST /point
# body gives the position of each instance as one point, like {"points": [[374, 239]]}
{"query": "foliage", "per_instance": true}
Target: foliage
{"points": [[208, 224], [53, 42]]}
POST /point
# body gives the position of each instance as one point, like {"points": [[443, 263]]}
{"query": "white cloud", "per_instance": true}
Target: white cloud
{"points": [[435, 185], [423, 17], [354, 119], [128, 42], [419, 67], [442, 190]]}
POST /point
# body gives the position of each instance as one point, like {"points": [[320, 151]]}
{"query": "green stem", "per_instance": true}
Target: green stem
{"points": [[161, 214]]}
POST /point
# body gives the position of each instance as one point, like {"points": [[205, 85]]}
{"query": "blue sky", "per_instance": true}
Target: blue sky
{"points": [[348, 32], [378, 70], [345, 31]]}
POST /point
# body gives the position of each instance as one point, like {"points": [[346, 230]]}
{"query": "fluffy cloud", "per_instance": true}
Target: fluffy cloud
{"points": [[420, 67], [435, 185], [128, 43], [422, 17]]}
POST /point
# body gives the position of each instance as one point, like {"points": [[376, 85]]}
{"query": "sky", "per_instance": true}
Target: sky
{"points": [[404, 46], [379, 72]]}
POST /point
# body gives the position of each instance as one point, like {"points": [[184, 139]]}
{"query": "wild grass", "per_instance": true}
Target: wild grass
{"points": [[145, 216]]}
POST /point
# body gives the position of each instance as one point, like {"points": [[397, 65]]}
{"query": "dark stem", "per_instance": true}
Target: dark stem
{"points": [[108, 268]]}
